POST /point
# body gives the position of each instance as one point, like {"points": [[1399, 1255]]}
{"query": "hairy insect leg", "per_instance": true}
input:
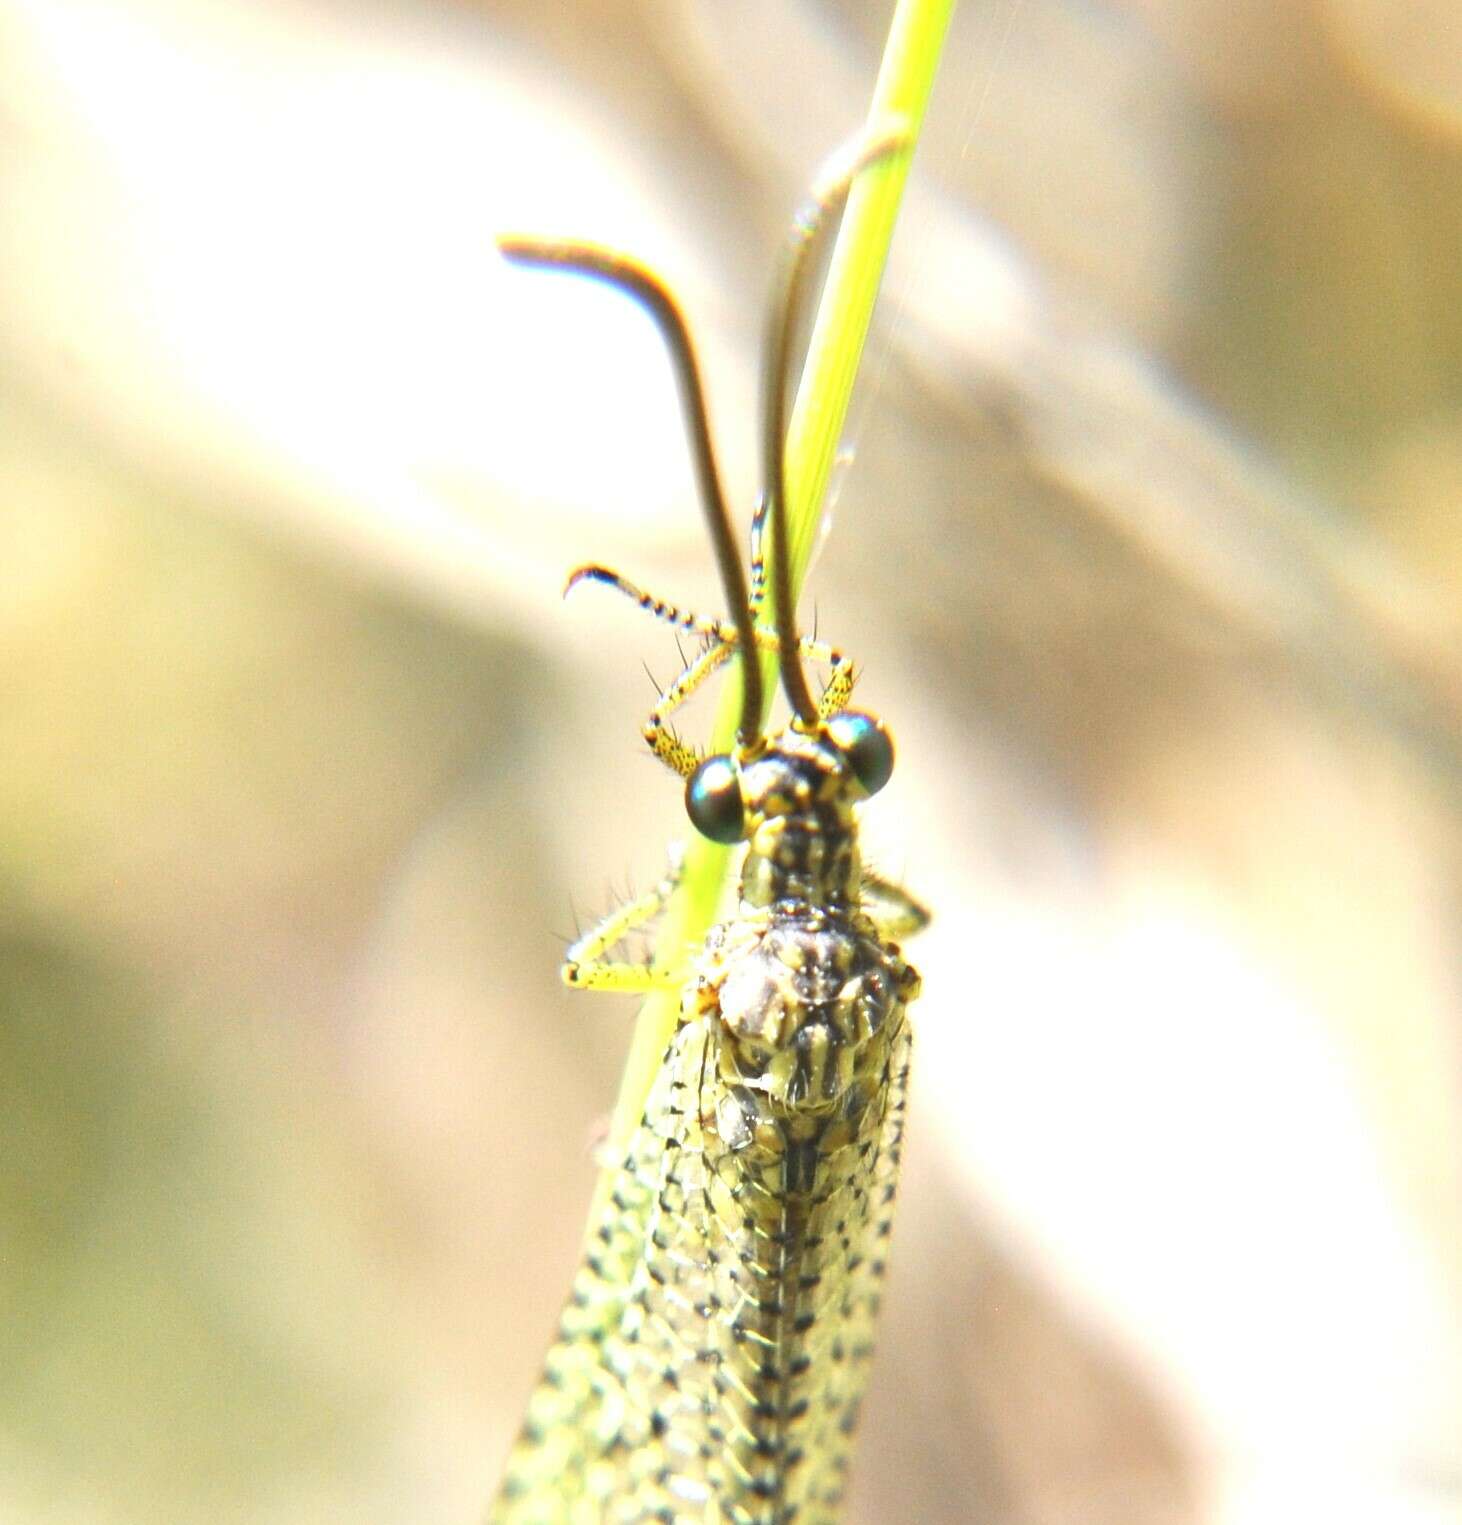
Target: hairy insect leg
{"points": [[684, 619], [841, 675], [891, 908], [679, 755], [586, 968]]}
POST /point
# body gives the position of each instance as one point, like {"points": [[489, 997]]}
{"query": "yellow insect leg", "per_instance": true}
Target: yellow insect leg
{"points": [[840, 680], [892, 909], [677, 755], [585, 966]]}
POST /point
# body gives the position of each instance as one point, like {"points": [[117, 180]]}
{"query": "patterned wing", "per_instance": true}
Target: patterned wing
{"points": [[714, 1350], [801, 1234], [592, 1448]]}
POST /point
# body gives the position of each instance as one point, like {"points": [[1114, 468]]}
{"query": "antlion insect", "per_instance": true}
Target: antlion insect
{"points": [[711, 1358]]}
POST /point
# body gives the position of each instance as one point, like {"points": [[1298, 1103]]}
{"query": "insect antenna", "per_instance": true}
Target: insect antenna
{"points": [[636, 281], [827, 199]]}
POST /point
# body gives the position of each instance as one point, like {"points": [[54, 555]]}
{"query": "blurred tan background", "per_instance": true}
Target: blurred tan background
{"points": [[1151, 550]]}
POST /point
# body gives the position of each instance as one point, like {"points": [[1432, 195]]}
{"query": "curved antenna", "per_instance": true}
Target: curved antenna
{"points": [[828, 197], [647, 289]]}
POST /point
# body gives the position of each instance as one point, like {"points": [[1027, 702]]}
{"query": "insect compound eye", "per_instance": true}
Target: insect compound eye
{"points": [[866, 745], [713, 800]]}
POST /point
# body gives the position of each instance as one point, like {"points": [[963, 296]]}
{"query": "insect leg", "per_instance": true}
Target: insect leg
{"points": [[758, 553], [840, 680], [679, 755], [891, 908], [682, 758], [672, 614], [585, 966]]}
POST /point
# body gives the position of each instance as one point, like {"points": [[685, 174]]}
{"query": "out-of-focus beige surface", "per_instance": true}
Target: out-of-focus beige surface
{"points": [[1152, 554]]}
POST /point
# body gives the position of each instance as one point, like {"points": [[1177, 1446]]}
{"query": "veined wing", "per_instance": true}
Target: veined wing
{"points": [[716, 1343], [581, 1426]]}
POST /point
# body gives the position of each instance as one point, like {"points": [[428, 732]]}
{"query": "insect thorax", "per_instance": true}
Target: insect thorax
{"points": [[802, 986], [799, 797], [802, 1000]]}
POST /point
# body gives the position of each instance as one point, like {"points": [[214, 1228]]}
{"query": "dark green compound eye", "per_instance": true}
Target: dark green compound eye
{"points": [[713, 801], [866, 745]]}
